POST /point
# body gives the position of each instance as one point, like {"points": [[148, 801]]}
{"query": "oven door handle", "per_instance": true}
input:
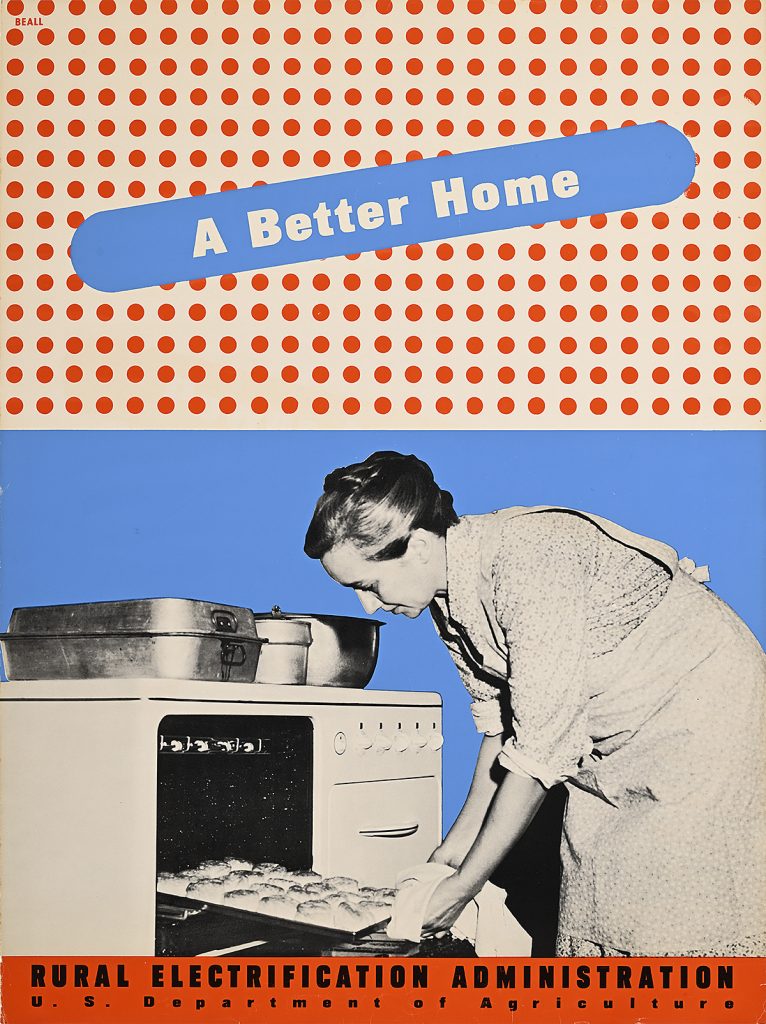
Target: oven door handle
{"points": [[394, 832]]}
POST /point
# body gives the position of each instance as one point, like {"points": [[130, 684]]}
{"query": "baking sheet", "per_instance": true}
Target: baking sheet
{"points": [[302, 927]]}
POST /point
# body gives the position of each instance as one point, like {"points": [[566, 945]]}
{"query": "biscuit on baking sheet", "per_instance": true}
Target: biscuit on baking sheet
{"points": [[342, 884], [353, 898], [335, 899], [319, 888], [348, 918], [266, 889], [269, 867], [244, 899], [239, 864], [315, 912], [373, 911], [175, 883], [213, 868], [279, 906], [303, 876], [282, 883], [243, 879], [207, 889]]}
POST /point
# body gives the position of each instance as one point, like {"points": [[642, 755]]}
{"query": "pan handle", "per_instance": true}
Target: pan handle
{"points": [[394, 832], [231, 654]]}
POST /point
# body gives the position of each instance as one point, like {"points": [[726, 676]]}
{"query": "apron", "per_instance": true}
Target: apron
{"points": [[663, 842]]}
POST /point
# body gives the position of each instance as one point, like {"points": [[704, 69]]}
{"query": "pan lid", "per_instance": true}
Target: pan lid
{"points": [[277, 613], [142, 615]]}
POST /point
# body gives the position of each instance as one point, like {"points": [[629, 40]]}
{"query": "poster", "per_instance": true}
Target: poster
{"points": [[172, 437]]}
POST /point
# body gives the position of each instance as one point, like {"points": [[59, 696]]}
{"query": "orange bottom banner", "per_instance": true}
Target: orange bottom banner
{"points": [[73, 990]]}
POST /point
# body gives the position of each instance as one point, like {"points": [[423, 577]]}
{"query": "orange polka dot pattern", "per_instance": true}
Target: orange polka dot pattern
{"points": [[645, 319]]}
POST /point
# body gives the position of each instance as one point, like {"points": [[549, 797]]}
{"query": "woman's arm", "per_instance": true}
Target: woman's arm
{"points": [[461, 836], [516, 802]]}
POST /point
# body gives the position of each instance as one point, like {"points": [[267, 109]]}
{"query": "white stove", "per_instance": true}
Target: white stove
{"points": [[106, 782]]}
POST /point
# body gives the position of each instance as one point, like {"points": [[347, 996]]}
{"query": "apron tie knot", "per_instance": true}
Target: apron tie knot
{"points": [[700, 573]]}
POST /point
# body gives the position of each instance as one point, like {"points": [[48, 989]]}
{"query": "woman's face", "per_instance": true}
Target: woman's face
{"points": [[403, 586]]}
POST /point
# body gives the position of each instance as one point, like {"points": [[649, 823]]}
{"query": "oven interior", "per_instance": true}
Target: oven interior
{"points": [[234, 786]]}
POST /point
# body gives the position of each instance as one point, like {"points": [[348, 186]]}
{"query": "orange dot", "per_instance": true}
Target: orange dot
{"points": [[289, 405], [629, 406], [752, 314]]}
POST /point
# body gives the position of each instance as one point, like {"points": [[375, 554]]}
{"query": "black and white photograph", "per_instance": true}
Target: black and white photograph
{"points": [[528, 730]]}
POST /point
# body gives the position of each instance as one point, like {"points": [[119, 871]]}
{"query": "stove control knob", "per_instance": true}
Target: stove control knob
{"points": [[340, 743], [362, 742], [419, 741], [401, 741], [435, 741], [382, 742]]}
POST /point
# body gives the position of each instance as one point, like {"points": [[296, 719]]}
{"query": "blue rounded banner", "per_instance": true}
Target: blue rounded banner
{"points": [[382, 207]]}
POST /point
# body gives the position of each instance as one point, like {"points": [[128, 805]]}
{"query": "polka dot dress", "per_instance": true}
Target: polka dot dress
{"points": [[643, 692]]}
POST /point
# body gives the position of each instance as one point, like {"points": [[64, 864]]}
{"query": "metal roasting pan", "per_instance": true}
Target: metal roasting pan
{"points": [[159, 638]]}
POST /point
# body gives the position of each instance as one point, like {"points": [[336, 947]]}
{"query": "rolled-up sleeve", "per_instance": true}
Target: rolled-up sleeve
{"points": [[541, 577]]}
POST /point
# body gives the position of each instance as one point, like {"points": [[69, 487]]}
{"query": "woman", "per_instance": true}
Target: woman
{"points": [[596, 660]]}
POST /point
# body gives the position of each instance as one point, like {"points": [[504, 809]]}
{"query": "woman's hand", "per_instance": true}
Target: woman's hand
{"points": [[444, 907]]}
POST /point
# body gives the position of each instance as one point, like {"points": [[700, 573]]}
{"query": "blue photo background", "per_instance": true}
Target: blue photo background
{"points": [[221, 515]]}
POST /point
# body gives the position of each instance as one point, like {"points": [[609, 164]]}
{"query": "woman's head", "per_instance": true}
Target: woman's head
{"points": [[380, 525]]}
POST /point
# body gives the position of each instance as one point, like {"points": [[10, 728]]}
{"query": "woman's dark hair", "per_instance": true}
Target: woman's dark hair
{"points": [[376, 504]]}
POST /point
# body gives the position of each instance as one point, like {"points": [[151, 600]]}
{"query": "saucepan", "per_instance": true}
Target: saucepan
{"points": [[340, 650]]}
